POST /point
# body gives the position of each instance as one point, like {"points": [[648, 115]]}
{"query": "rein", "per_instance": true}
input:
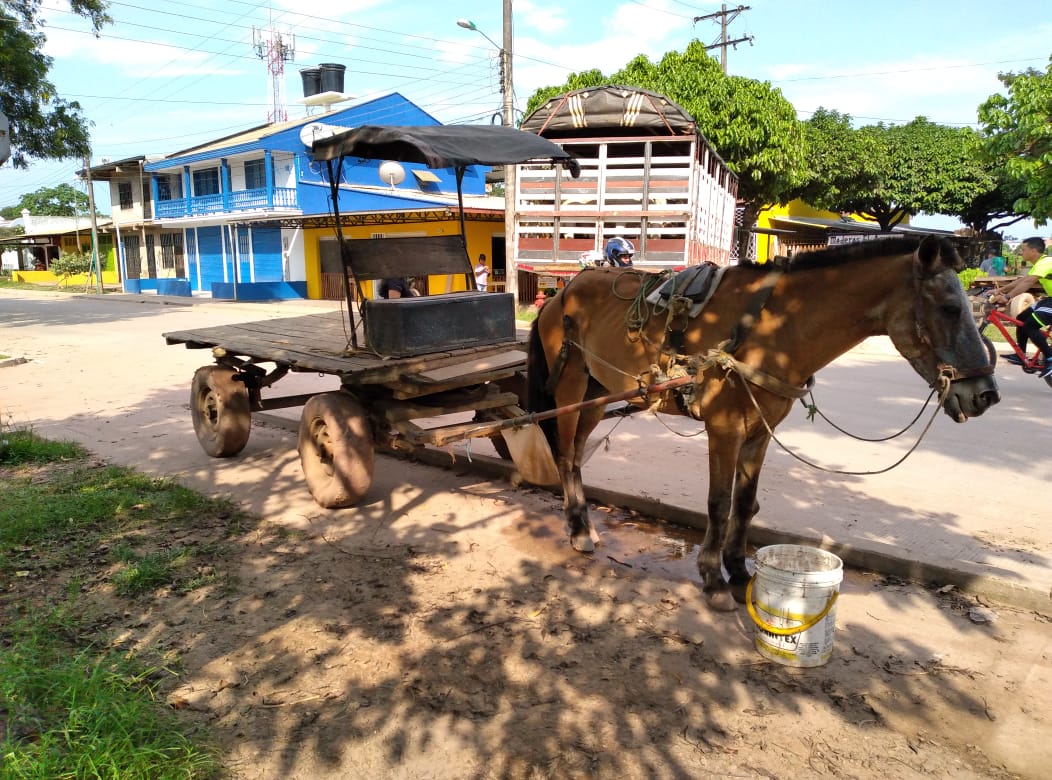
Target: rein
{"points": [[943, 391], [813, 411]]}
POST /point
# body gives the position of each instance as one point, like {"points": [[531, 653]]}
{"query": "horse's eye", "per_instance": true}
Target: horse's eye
{"points": [[951, 311]]}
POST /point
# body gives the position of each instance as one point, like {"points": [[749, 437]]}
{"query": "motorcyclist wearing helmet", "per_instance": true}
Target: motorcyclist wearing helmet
{"points": [[619, 252]]}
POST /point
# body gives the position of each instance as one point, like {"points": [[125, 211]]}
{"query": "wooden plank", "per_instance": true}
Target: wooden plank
{"points": [[488, 363], [406, 410], [405, 390]]}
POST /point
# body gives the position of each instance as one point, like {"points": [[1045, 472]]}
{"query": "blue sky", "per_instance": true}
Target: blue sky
{"points": [[169, 74]]}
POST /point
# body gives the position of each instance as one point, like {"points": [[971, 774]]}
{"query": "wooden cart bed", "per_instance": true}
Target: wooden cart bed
{"points": [[321, 343]]}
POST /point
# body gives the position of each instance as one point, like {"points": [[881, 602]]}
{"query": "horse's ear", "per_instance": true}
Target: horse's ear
{"points": [[935, 253]]}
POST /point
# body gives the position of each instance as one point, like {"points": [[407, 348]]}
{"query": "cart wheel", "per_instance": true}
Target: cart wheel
{"points": [[336, 449], [220, 411], [1018, 303]]}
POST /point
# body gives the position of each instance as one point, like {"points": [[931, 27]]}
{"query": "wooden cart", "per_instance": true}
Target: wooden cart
{"points": [[381, 403], [399, 361]]}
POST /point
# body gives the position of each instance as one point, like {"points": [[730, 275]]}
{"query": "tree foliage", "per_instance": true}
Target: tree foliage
{"points": [[70, 264], [839, 161], [889, 172], [1017, 130], [61, 201], [992, 210], [43, 125], [750, 123]]}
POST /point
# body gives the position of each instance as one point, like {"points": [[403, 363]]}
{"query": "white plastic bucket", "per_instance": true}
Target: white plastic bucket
{"points": [[792, 600]]}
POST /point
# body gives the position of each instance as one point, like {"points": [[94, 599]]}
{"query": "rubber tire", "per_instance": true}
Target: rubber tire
{"points": [[1020, 302], [220, 410], [336, 449]]}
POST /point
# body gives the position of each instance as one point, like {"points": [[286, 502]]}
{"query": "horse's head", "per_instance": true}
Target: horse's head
{"points": [[937, 335]]}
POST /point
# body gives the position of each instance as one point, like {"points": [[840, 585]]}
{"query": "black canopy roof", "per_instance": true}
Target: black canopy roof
{"points": [[442, 146], [608, 110]]}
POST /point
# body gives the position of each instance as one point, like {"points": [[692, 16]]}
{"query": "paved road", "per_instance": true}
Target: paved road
{"points": [[966, 508]]}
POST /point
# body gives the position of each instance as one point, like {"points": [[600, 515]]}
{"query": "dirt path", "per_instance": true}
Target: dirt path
{"points": [[447, 631], [444, 629]]}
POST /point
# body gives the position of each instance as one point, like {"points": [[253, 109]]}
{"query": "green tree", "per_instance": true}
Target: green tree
{"points": [[751, 124], [43, 125], [890, 172], [61, 201], [993, 210], [839, 161], [70, 264], [1017, 129]]}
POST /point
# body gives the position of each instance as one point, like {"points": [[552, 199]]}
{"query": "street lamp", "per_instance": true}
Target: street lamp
{"points": [[511, 280]]}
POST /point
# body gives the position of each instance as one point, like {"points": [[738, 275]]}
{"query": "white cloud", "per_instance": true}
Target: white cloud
{"points": [[137, 58], [547, 18]]}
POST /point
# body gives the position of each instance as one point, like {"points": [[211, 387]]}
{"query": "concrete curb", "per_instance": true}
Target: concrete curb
{"points": [[879, 558]]}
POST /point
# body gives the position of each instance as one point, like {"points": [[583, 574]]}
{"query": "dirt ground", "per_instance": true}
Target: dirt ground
{"points": [[448, 631], [444, 628]]}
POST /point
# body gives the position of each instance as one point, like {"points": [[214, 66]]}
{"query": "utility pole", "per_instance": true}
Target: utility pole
{"points": [[94, 225], [725, 17], [511, 272], [507, 91]]}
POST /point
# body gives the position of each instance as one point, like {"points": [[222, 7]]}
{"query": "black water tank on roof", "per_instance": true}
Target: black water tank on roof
{"points": [[311, 81], [332, 76]]}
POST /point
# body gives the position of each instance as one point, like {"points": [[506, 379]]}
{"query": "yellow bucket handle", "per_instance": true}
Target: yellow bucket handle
{"points": [[788, 630]]}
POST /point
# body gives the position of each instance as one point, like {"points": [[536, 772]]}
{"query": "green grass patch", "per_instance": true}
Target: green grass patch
{"points": [[86, 497], [526, 314], [77, 536], [18, 446], [7, 284], [142, 573], [71, 712]]}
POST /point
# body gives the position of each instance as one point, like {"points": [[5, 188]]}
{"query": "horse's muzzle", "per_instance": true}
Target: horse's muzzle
{"points": [[970, 397]]}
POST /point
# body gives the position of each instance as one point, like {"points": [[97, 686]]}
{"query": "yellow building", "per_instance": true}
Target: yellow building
{"points": [[782, 231]]}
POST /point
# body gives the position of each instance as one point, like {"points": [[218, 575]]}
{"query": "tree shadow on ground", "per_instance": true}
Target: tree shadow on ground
{"points": [[384, 638]]}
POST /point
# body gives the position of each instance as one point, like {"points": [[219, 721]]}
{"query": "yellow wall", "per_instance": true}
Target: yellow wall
{"points": [[766, 244], [479, 236], [46, 277]]}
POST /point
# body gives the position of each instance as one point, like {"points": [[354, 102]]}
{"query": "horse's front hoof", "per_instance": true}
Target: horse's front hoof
{"points": [[583, 542], [720, 601]]}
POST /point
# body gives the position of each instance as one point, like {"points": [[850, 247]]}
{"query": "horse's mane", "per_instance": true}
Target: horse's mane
{"points": [[849, 253]]}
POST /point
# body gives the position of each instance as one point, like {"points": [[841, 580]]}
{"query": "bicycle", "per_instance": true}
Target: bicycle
{"points": [[993, 316]]}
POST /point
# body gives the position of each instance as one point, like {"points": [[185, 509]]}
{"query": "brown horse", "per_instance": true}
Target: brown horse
{"points": [[599, 336]]}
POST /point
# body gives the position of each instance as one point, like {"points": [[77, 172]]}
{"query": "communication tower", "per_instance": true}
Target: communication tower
{"points": [[275, 50]]}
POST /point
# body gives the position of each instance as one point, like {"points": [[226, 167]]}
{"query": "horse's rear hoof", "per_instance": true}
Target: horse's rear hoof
{"points": [[721, 601], [738, 592]]}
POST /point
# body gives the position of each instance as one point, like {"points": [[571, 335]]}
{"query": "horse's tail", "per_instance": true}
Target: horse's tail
{"points": [[538, 398]]}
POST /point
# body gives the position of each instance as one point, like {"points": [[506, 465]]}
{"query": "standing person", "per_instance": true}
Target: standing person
{"points": [[993, 265], [1038, 316], [481, 273]]}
